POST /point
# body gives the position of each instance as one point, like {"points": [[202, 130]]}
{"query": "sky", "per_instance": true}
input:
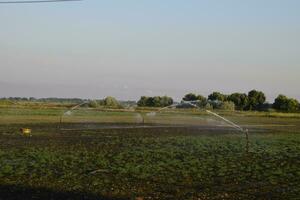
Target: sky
{"points": [[126, 49]]}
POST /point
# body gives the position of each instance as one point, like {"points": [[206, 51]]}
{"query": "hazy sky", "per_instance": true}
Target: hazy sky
{"points": [[96, 48]]}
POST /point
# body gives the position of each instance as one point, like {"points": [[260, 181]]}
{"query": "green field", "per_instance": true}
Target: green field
{"points": [[97, 154]]}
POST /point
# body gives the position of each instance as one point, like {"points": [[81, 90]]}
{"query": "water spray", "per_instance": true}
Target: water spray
{"points": [[234, 125], [170, 106], [69, 112], [161, 109]]}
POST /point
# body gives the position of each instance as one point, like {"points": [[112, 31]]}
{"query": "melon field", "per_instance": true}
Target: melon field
{"points": [[94, 154]]}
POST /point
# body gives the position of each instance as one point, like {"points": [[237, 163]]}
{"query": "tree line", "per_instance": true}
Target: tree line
{"points": [[156, 101], [254, 100]]}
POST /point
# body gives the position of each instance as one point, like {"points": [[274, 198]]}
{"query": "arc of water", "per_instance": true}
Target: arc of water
{"points": [[76, 106], [220, 117], [170, 106], [70, 110], [245, 131], [190, 103], [226, 120], [232, 124]]}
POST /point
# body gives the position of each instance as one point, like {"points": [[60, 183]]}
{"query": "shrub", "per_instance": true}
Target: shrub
{"points": [[93, 104], [227, 105], [156, 101], [217, 96], [256, 99], [240, 100], [111, 102], [284, 103]]}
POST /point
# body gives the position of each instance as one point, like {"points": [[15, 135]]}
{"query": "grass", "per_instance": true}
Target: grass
{"points": [[160, 163]]}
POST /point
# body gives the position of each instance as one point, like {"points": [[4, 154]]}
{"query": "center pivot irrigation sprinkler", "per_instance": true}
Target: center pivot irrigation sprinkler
{"points": [[232, 124], [245, 131], [68, 112], [158, 111]]}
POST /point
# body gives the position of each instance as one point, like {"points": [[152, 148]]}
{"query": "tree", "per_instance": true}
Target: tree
{"points": [[166, 101], [142, 102], [198, 100], [111, 102], [284, 103], [222, 105], [93, 104], [256, 100], [227, 105], [293, 105], [156, 101], [280, 102], [240, 100], [150, 102], [202, 101], [217, 96], [190, 97]]}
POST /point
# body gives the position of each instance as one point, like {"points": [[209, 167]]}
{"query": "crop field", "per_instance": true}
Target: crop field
{"points": [[94, 154]]}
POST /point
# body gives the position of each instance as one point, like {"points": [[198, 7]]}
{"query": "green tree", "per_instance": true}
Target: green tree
{"points": [[227, 105], [156, 101], [142, 102], [240, 100], [150, 102], [111, 102], [217, 96], [256, 100], [293, 105], [190, 97], [280, 102], [284, 103], [166, 101], [93, 104], [202, 101]]}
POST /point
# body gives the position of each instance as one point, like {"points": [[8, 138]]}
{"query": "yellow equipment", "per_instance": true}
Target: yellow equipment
{"points": [[26, 132]]}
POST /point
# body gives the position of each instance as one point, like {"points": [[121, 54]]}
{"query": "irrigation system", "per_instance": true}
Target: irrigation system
{"points": [[193, 104], [230, 123], [69, 112]]}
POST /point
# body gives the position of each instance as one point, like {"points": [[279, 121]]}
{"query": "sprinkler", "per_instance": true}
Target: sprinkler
{"points": [[69, 112], [232, 124]]}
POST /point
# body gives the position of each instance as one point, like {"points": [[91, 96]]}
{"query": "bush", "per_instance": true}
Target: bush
{"points": [[156, 101], [227, 105], [284, 103], [111, 102], [93, 104], [256, 99], [190, 97], [217, 96], [239, 99]]}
